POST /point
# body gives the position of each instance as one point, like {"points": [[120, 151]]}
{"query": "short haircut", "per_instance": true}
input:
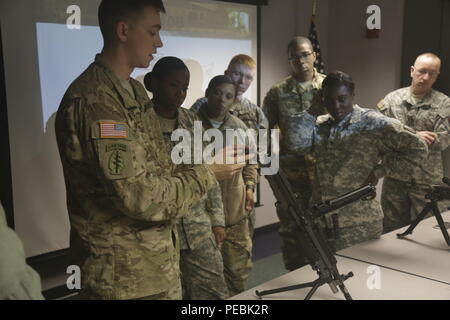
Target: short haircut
{"points": [[162, 68], [112, 11], [427, 55], [242, 59], [338, 78], [299, 41], [219, 80]]}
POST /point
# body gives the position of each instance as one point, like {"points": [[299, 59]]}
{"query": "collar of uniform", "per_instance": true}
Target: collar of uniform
{"points": [[351, 118], [242, 102], [425, 102], [294, 86], [185, 118], [127, 100], [355, 115], [204, 117], [176, 115]]}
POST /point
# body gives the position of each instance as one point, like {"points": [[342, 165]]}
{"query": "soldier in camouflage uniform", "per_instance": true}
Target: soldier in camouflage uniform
{"points": [[202, 231], [242, 70], [353, 147], [427, 111], [237, 200], [294, 94], [123, 195], [18, 281]]}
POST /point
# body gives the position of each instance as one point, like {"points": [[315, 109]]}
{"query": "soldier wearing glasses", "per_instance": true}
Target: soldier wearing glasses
{"points": [[292, 95], [427, 111]]}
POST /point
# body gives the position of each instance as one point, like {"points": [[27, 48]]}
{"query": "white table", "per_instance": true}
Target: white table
{"points": [[423, 253], [394, 285]]}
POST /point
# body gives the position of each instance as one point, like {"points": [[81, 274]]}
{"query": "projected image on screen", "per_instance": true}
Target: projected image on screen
{"points": [[206, 34], [206, 44]]}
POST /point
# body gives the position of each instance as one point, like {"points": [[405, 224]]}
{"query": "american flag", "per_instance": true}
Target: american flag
{"points": [[113, 130], [314, 38]]}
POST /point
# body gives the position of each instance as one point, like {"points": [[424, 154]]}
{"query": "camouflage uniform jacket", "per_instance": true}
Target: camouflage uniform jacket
{"points": [[123, 197], [282, 101], [347, 152], [288, 97], [431, 113], [233, 189], [244, 109], [196, 227]]}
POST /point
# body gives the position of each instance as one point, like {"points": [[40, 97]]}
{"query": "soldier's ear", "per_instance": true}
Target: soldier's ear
{"points": [[122, 31]]}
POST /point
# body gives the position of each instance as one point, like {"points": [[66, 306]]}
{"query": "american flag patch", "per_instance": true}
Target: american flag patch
{"points": [[113, 130]]}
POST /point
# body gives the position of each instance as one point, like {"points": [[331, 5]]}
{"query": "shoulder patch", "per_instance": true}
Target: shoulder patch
{"points": [[113, 130], [116, 158]]}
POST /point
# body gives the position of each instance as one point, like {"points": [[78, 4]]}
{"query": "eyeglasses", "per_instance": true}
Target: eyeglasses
{"points": [[430, 73], [303, 55]]}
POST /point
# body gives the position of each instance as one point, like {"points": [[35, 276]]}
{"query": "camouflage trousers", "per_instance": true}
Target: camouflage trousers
{"points": [[402, 202], [174, 293], [252, 222], [293, 257], [237, 256], [202, 275], [349, 236]]}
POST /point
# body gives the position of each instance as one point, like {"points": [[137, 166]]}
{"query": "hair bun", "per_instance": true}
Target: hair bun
{"points": [[148, 81]]}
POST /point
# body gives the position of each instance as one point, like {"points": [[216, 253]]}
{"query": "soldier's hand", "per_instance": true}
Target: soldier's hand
{"points": [[249, 200], [371, 179], [219, 235], [428, 136], [232, 154], [230, 160]]}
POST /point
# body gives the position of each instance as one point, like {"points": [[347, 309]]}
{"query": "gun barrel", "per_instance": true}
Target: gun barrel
{"points": [[365, 192]]}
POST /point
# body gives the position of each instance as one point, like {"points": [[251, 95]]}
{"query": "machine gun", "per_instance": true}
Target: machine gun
{"points": [[437, 193], [311, 240]]}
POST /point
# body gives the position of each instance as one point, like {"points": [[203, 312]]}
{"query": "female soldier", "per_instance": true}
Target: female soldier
{"points": [[202, 231], [237, 191], [353, 146]]}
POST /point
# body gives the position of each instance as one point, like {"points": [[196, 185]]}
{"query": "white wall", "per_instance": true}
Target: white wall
{"points": [[374, 64]]}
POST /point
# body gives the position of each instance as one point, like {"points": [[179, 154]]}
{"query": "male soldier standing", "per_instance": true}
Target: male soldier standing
{"points": [[123, 197], [292, 95], [427, 111], [242, 70]]}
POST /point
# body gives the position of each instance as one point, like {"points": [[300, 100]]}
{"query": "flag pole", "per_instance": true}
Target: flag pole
{"points": [[314, 8]]}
